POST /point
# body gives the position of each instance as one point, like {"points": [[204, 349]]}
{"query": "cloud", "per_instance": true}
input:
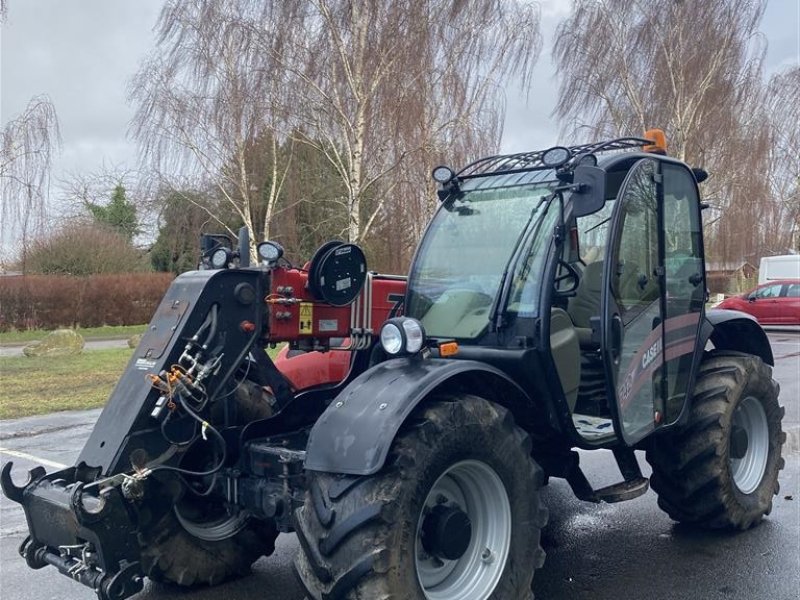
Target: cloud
{"points": [[80, 54], [83, 53], [556, 9], [529, 123]]}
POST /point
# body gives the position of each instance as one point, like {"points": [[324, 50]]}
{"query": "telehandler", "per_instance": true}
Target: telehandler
{"points": [[556, 302]]}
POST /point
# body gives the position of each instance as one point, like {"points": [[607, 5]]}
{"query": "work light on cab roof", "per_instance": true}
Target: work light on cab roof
{"points": [[442, 174]]}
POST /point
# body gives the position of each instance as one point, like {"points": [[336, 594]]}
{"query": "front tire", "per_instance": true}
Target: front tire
{"points": [[720, 471], [170, 554], [455, 514], [198, 542]]}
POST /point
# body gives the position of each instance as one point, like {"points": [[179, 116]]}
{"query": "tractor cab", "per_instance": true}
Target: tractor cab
{"points": [[579, 271]]}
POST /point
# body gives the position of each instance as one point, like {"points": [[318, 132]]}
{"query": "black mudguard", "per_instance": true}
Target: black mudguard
{"points": [[735, 330], [354, 434]]}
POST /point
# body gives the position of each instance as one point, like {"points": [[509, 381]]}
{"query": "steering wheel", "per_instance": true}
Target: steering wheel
{"points": [[570, 275]]}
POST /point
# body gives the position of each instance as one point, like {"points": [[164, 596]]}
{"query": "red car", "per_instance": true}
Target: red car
{"points": [[772, 303]]}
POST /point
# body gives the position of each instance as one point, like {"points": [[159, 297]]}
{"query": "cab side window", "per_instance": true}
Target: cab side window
{"points": [[793, 290], [594, 231], [634, 281], [683, 263]]}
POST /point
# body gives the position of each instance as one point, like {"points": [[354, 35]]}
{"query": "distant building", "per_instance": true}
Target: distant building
{"points": [[731, 277]]}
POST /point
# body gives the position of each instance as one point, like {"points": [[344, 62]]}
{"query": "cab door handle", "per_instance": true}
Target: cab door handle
{"points": [[616, 338]]}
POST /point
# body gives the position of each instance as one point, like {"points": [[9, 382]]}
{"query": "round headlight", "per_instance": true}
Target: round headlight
{"points": [[415, 335], [391, 339], [402, 335], [220, 258]]}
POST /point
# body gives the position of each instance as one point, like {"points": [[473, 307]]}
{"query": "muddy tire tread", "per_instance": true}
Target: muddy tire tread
{"points": [[691, 472], [347, 526]]}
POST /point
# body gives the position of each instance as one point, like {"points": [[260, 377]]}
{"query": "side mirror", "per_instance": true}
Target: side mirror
{"points": [[591, 190], [752, 297]]}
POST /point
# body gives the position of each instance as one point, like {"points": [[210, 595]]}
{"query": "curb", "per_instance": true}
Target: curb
{"points": [[112, 338], [34, 425]]}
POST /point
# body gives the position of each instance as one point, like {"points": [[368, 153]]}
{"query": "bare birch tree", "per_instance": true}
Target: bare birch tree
{"points": [[693, 68], [384, 81], [206, 96], [27, 144], [684, 66], [373, 85], [783, 109]]}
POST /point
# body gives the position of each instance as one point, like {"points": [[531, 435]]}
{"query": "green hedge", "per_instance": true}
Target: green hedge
{"points": [[52, 301]]}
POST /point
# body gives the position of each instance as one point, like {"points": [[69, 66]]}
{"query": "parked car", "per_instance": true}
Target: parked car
{"points": [[772, 303]]}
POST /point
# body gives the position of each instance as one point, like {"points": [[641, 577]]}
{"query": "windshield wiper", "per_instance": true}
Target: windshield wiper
{"points": [[600, 224]]}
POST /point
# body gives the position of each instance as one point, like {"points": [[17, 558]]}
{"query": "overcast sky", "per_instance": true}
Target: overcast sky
{"points": [[82, 53]]}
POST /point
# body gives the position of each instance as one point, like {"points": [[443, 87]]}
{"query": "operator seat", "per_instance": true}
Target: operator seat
{"points": [[585, 304], [565, 349]]}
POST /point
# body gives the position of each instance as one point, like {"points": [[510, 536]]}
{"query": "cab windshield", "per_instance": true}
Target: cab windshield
{"points": [[470, 242]]}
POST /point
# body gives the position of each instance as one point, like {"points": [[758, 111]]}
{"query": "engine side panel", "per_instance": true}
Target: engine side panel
{"points": [[295, 314]]}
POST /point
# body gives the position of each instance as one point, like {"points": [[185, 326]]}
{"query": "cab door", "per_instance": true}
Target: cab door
{"points": [[684, 282], [631, 307]]}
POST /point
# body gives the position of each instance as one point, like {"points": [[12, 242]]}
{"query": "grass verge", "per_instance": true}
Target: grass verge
{"points": [[32, 386], [89, 333]]}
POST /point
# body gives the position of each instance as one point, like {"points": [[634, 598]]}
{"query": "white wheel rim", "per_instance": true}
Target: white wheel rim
{"points": [[214, 530], [748, 471], [476, 489]]}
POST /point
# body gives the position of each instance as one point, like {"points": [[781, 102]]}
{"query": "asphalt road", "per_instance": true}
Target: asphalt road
{"points": [[594, 552]]}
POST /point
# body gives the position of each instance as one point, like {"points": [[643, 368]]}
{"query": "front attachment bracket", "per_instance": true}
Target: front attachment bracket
{"points": [[89, 536]]}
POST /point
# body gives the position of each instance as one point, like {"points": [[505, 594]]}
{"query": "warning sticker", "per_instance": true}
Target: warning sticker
{"points": [[306, 317]]}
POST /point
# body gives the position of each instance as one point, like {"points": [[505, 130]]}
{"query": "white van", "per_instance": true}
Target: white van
{"points": [[779, 267]]}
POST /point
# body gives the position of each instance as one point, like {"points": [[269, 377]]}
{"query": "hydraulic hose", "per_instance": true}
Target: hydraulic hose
{"points": [[213, 329], [204, 425]]}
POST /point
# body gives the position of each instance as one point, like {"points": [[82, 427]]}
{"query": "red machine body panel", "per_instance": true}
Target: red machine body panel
{"points": [[305, 370], [294, 315]]}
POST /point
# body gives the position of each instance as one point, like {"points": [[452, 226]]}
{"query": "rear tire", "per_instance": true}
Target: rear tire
{"points": [[720, 471], [362, 537]]}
